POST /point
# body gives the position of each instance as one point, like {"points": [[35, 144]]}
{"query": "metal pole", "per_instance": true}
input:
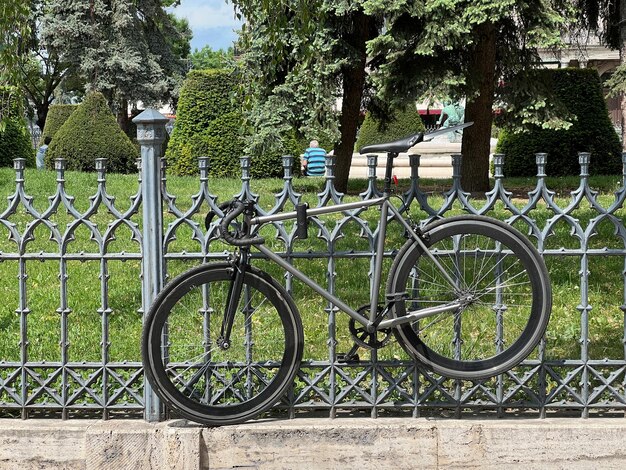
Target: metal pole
{"points": [[151, 135]]}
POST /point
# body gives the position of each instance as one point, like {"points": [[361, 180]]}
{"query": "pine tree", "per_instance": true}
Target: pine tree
{"points": [[298, 54], [124, 49]]}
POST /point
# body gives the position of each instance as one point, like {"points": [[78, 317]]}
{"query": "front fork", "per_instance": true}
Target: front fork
{"points": [[240, 264]]}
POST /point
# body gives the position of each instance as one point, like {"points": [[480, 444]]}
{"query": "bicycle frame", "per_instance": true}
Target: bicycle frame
{"points": [[375, 321]]}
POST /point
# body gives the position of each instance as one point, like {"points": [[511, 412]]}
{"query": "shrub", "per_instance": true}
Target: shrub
{"points": [[15, 143], [221, 142], [404, 123], [57, 115], [204, 97], [14, 137], [92, 132], [580, 92], [270, 164], [208, 124]]}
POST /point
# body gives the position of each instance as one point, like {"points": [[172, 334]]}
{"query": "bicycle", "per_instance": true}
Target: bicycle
{"points": [[468, 297]]}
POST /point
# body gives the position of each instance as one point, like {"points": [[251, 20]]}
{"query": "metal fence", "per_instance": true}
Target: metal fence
{"points": [[109, 381]]}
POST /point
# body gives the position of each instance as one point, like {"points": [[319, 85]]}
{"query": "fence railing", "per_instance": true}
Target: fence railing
{"points": [[579, 367]]}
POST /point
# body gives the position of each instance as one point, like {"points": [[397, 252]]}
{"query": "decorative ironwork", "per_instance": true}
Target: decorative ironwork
{"points": [[380, 384]]}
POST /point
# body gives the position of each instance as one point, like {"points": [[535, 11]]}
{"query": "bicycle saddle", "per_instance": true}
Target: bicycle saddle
{"points": [[402, 145]]}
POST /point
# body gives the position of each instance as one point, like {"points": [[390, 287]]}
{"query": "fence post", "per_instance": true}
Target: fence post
{"points": [[151, 135]]}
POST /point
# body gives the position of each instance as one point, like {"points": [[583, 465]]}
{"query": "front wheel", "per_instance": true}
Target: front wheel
{"points": [[501, 282], [191, 368]]}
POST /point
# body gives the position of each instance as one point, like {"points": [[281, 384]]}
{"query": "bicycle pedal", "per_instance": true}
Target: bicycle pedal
{"points": [[348, 358]]}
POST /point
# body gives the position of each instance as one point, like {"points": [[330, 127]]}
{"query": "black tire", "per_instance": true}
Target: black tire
{"points": [[200, 380], [502, 321]]}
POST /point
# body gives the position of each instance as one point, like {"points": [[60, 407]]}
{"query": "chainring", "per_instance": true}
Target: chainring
{"points": [[364, 338]]}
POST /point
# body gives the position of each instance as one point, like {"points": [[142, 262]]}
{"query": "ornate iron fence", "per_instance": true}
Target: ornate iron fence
{"points": [[109, 380]]}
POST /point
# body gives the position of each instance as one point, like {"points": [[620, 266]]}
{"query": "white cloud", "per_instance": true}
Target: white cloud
{"points": [[207, 14]]}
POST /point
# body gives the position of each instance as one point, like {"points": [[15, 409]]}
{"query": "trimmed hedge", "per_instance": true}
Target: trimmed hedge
{"points": [[204, 97], [92, 132], [270, 165], [15, 143], [57, 115], [14, 137], [404, 123], [220, 142], [580, 91]]}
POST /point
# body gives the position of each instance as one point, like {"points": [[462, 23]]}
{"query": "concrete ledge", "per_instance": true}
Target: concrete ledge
{"points": [[385, 443]]}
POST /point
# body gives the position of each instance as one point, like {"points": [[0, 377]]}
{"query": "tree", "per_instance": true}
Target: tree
{"points": [[13, 27], [14, 137], [39, 72], [125, 49], [463, 49], [301, 52], [89, 133], [608, 18], [298, 58], [207, 58]]}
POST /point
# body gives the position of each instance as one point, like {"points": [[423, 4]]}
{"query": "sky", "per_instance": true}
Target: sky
{"points": [[212, 22]]}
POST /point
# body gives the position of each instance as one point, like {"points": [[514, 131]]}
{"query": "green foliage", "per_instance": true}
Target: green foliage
{"points": [[10, 102], [15, 143], [127, 49], [207, 58], [222, 143], [92, 132], [269, 164], [405, 122], [579, 91], [14, 27], [205, 97], [208, 124], [14, 137], [57, 115]]}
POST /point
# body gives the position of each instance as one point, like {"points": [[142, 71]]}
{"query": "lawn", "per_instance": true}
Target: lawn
{"points": [[101, 300]]}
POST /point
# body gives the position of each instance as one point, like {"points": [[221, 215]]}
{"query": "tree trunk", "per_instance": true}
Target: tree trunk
{"points": [[475, 147], [42, 113], [353, 77], [122, 116]]}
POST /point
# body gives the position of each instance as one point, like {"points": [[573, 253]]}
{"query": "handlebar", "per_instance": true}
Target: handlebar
{"points": [[237, 208]]}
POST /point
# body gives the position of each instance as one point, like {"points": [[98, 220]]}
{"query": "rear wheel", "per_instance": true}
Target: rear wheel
{"points": [[191, 368], [503, 287]]}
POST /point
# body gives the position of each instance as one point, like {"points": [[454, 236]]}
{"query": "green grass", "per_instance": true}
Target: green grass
{"points": [[84, 296]]}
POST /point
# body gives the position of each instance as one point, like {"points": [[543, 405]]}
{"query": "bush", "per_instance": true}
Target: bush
{"points": [[15, 143], [270, 164], [208, 124], [580, 92], [92, 132], [221, 142], [404, 123], [204, 97], [57, 115], [14, 137]]}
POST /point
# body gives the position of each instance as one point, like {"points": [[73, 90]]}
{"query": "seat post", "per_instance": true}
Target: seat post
{"points": [[389, 172]]}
